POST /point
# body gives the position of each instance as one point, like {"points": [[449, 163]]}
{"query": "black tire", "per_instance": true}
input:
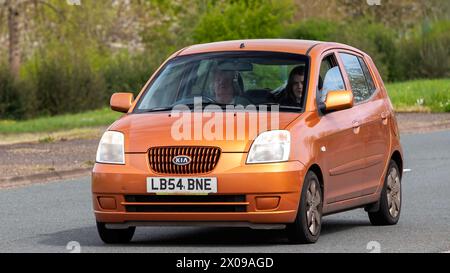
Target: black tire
{"points": [[299, 231], [115, 236], [383, 215]]}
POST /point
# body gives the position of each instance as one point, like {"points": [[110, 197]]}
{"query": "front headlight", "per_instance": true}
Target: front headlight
{"points": [[270, 146], [111, 148]]}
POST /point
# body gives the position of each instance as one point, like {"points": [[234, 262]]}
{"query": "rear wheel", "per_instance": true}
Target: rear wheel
{"points": [[115, 236], [390, 202], [308, 223]]}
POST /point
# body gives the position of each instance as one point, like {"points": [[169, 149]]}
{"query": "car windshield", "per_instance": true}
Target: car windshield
{"points": [[229, 78]]}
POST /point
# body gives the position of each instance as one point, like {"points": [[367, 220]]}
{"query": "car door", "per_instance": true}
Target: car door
{"points": [[373, 116], [341, 143]]}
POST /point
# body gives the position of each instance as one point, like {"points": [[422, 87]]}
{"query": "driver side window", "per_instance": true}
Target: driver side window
{"points": [[330, 77]]}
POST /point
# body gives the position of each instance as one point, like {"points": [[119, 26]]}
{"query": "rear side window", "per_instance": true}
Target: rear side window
{"points": [[359, 77], [369, 79]]}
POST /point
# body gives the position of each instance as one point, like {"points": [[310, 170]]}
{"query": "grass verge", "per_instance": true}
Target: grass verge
{"points": [[95, 118], [410, 96], [420, 95]]}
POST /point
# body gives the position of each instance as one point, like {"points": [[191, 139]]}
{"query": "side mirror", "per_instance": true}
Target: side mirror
{"points": [[337, 100], [121, 102]]}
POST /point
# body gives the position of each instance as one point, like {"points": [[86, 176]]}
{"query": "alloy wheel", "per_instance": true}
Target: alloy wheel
{"points": [[313, 214], [393, 192]]}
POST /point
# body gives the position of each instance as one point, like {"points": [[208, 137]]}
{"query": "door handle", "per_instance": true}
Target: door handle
{"points": [[356, 126], [384, 117]]}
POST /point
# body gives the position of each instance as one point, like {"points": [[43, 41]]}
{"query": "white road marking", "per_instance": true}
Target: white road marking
{"points": [[407, 170]]}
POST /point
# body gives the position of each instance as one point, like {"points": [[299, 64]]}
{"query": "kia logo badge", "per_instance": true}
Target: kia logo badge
{"points": [[181, 160]]}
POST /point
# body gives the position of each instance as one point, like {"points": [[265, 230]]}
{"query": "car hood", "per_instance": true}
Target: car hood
{"points": [[145, 130]]}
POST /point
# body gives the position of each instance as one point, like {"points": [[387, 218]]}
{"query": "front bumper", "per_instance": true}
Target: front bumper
{"points": [[260, 183]]}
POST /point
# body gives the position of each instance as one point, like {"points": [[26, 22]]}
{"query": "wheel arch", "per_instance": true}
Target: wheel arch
{"points": [[397, 158], [318, 171]]}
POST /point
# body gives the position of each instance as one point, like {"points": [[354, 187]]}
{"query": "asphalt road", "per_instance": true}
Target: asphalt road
{"points": [[47, 217]]}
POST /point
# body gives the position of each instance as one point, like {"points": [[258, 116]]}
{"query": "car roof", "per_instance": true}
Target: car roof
{"points": [[273, 45]]}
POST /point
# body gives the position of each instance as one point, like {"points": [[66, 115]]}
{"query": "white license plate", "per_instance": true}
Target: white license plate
{"points": [[182, 185]]}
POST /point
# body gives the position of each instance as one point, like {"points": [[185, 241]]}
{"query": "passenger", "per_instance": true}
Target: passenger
{"points": [[293, 93]]}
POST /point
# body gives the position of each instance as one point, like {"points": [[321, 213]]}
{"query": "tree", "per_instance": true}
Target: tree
{"points": [[231, 20], [14, 9]]}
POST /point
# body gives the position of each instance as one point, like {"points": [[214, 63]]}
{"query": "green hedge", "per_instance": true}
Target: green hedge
{"points": [[77, 75], [423, 52], [16, 97], [231, 20]]}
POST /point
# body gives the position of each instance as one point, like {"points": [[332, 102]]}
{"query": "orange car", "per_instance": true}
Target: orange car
{"points": [[254, 133]]}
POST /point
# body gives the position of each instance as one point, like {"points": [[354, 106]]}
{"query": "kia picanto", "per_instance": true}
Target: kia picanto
{"points": [[270, 134]]}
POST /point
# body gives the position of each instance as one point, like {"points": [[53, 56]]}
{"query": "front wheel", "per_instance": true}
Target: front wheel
{"points": [[390, 202], [308, 223], [115, 236]]}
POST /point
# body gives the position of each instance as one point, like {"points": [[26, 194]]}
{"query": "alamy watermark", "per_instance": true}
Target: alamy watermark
{"points": [[374, 247], [74, 2], [373, 2], [73, 247], [212, 122]]}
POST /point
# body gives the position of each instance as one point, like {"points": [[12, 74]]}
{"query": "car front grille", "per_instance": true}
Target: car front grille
{"points": [[203, 159], [185, 203]]}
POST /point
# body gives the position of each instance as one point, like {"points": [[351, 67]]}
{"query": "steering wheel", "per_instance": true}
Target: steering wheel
{"points": [[208, 99]]}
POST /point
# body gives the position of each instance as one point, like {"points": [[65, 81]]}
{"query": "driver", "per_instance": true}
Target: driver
{"points": [[225, 85]]}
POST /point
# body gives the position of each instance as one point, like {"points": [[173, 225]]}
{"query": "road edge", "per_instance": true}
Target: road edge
{"points": [[42, 178]]}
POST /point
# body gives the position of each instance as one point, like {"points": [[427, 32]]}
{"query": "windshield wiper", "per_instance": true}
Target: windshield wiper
{"points": [[281, 106], [204, 104], [156, 109], [290, 107], [221, 105]]}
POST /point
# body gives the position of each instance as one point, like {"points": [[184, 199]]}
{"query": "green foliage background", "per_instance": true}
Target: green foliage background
{"points": [[71, 61]]}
